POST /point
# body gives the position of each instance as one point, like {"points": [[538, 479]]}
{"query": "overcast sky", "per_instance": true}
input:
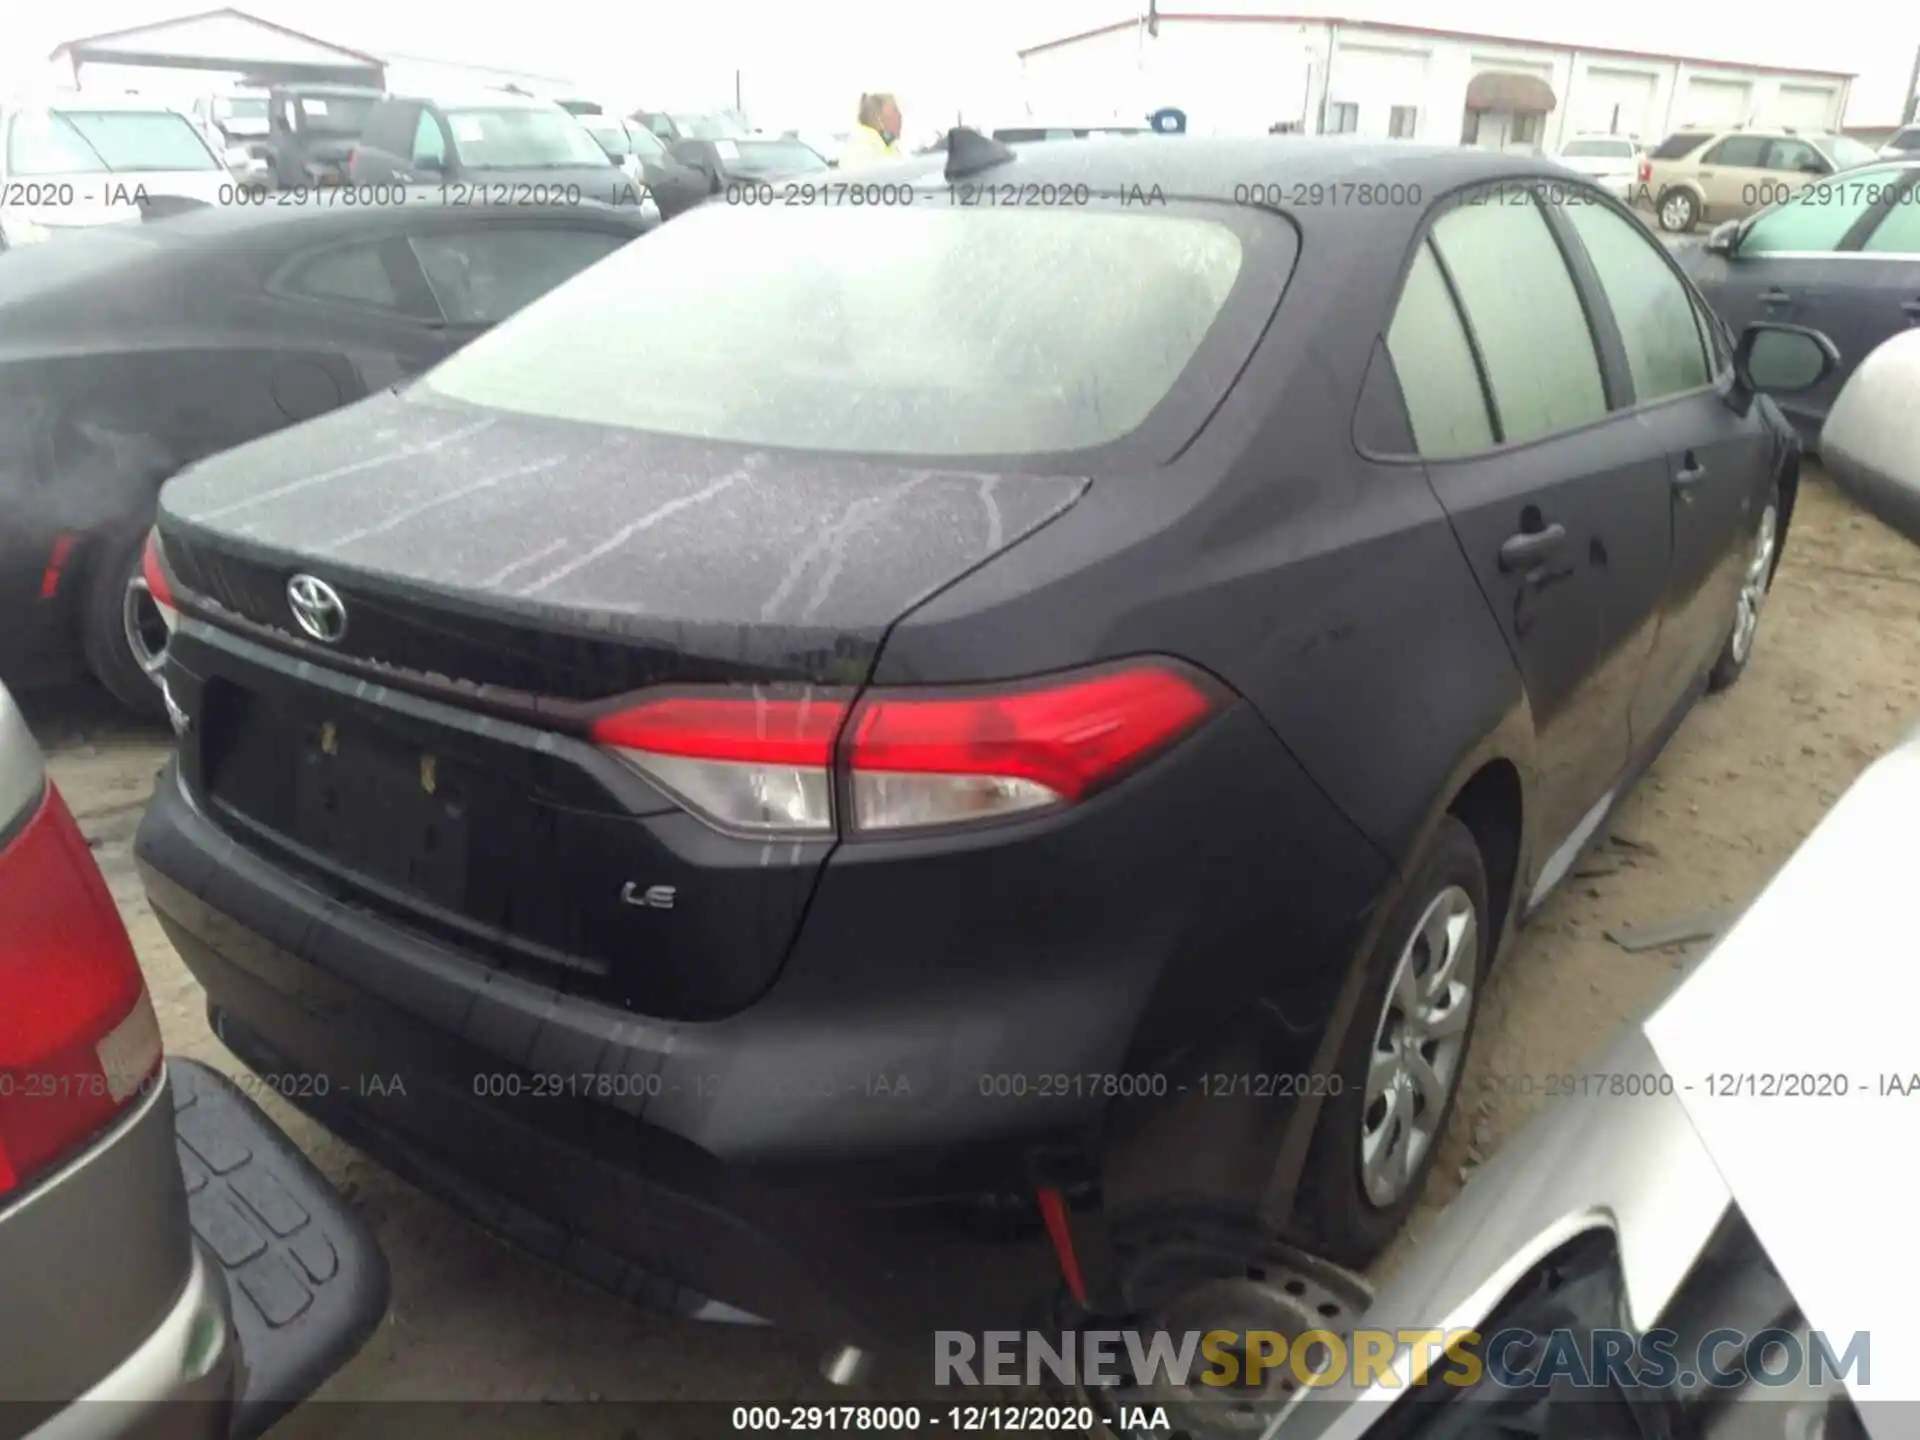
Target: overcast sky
{"points": [[810, 61]]}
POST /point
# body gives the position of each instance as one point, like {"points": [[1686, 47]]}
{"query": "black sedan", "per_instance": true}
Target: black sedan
{"points": [[132, 350], [1842, 255], [753, 161], [1036, 711]]}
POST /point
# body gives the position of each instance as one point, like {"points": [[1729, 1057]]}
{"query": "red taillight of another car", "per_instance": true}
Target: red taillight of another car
{"points": [[906, 759], [153, 570], [78, 1037], [1646, 171]]}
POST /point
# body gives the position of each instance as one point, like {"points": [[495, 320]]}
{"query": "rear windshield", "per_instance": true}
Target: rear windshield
{"points": [[1674, 147], [1597, 149], [1845, 151], [335, 114], [1905, 141], [66, 142], [756, 158], [517, 138], [910, 330]]}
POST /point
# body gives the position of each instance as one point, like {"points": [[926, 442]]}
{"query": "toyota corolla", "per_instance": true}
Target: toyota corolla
{"points": [[848, 753]]}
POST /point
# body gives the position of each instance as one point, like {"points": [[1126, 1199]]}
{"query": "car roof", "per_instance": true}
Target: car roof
{"points": [[97, 100], [479, 98], [213, 230], [1222, 168]]}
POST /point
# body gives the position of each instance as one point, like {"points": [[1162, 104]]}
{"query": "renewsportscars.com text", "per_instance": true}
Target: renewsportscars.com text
{"points": [[1513, 1359]]}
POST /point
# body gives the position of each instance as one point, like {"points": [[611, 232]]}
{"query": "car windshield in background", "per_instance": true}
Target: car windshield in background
{"points": [[646, 144], [709, 127], [1597, 149], [1845, 151], [903, 331], [335, 114], [758, 158], [517, 138], [131, 142], [250, 108], [611, 134]]}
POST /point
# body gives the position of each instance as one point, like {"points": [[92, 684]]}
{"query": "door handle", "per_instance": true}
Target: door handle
{"points": [[1690, 472], [1776, 296], [1531, 547]]}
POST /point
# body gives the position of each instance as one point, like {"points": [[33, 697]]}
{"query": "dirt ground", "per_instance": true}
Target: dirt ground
{"points": [[1835, 680]]}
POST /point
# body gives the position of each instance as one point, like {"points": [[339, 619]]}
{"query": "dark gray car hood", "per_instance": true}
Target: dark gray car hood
{"points": [[744, 555]]}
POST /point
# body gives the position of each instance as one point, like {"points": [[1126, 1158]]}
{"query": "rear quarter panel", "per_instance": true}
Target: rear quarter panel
{"points": [[1330, 592]]}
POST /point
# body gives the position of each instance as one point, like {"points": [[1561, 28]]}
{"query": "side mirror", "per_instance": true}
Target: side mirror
{"points": [[1724, 238], [1870, 443], [1783, 359]]}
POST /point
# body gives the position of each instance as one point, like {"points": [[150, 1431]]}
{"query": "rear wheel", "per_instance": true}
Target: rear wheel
{"points": [[123, 636], [1755, 582], [1405, 1054], [1679, 212]]}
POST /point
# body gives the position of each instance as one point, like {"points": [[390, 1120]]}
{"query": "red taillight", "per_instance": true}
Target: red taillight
{"points": [[934, 761], [153, 570], [78, 1038], [1646, 171], [760, 762], [765, 763]]}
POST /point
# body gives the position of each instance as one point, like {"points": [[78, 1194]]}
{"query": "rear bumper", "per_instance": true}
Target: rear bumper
{"points": [[302, 989], [283, 1282]]}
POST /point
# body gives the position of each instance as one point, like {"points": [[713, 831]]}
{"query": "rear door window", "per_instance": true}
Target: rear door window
{"points": [[481, 276], [1796, 157], [1650, 303], [1434, 362], [1525, 314], [1816, 219], [1739, 152], [429, 145], [1898, 232]]}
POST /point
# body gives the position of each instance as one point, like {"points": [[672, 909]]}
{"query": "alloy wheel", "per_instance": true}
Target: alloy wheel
{"points": [[1419, 1045], [146, 632], [1753, 585], [1676, 212]]}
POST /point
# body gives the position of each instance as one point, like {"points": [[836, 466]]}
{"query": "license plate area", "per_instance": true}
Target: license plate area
{"points": [[403, 812]]}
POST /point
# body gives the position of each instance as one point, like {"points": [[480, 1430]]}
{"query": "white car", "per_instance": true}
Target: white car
{"points": [[1903, 144], [82, 160], [1611, 161]]}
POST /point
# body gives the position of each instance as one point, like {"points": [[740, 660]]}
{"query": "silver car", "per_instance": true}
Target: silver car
{"points": [[170, 1265]]}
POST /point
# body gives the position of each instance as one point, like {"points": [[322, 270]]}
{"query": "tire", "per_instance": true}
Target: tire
{"points": [[1755, 582], [1340, 1214], [1677, 211], [108, 641]]}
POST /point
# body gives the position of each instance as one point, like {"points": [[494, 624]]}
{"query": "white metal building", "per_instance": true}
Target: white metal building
{"points": [[1246, 73]]}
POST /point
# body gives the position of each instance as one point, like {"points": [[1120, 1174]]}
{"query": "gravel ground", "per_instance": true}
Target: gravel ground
{"points": [[1835, 679]]}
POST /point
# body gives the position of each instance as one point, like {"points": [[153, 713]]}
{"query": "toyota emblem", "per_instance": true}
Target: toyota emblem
{"points": [[318, 608]]}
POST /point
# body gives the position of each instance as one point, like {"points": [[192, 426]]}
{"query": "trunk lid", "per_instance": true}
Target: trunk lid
{"points": [[581, 562]]}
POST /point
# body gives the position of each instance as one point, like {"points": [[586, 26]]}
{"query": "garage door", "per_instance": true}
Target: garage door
{"points": [[1714, 102], [1379, 81], [1805, 107], [1614, 102]]}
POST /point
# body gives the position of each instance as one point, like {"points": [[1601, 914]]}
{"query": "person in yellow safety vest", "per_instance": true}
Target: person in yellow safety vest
{"points": [[877, 135]]}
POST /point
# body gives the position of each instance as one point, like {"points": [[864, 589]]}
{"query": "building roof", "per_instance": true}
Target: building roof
{"points": [[225, 39], [1430, 32]]}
